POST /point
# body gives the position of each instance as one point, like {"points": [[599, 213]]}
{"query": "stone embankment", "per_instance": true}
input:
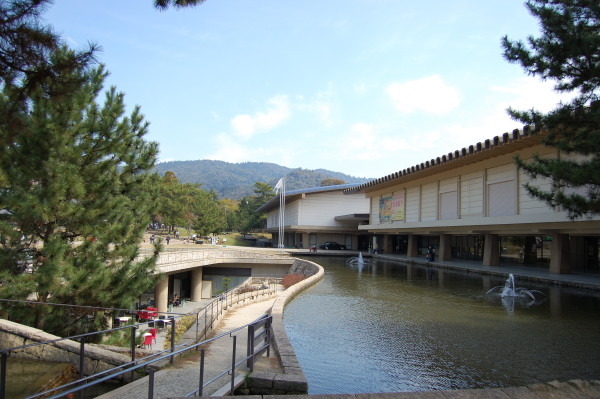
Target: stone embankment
{"points": [[292, 380], [55, 349]]}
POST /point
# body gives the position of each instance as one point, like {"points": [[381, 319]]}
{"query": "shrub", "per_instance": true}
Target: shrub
{"points": [[291, 279], [247, 288], [181, 326]]}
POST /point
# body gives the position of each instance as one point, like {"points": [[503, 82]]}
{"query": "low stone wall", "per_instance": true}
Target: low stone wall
{"points": [[293, 380], [96, 359]]}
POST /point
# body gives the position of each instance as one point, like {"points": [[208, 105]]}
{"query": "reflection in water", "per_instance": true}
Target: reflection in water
{"points": [[398, 328]]}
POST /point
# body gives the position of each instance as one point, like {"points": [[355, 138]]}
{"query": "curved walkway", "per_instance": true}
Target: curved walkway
{"points": [[184, 375]]}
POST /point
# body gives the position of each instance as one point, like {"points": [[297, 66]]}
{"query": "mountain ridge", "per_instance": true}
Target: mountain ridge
{"points": [[236, 180]]}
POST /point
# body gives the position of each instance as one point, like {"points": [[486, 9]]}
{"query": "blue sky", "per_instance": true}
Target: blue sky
{"points": [[364, 87]]}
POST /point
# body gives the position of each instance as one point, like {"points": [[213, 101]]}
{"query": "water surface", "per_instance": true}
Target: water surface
{"points": [[393, 327]]}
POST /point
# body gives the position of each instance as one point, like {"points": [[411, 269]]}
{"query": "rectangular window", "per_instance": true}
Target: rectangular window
{"points": [[348, 241]]}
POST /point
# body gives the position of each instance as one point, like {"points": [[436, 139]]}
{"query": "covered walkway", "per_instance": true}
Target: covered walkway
{"points": [[527, 273]]}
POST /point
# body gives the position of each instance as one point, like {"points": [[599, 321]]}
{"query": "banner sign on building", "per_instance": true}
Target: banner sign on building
{"points": [[391, 208]]}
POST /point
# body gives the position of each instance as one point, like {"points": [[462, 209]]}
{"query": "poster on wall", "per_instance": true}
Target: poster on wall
{"points": [[391, 208]]}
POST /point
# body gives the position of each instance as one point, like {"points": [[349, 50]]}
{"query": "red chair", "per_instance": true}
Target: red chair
{"points": [[143, 315], [153, 332], [148, 340], [152, 313]]}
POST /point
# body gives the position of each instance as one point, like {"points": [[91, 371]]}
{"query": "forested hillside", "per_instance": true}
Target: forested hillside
{"points": [[234, 180]]}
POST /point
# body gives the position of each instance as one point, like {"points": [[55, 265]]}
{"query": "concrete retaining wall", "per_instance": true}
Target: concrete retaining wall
{"points": [[96, 359], [293, 380]]}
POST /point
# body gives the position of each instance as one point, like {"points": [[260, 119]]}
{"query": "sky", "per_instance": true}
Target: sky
{"points": [[363, 87]]}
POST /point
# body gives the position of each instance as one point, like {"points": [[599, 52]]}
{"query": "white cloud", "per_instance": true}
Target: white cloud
{"points": [[366, 143], [430, 95], [230, 149], [528, 92], [245, 126], [322, 105], [488, 122]]}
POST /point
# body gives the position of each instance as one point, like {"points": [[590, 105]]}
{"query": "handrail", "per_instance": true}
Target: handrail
{"points": [[222, 303], [151, 361]]}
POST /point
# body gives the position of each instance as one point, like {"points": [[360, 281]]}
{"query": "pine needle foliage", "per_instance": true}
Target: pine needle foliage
{"points": [[77, 197], [568, 53]]}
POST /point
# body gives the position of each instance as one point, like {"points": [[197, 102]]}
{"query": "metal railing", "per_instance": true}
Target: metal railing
{"points": [[103, 375], [207, 316], [263, 325]]}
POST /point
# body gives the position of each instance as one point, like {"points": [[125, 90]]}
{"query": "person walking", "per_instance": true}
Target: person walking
{"points": [[168, 238], [431, 254]]}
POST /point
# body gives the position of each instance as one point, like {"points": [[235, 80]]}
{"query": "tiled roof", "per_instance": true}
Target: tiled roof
{"points": [[499, 145]]}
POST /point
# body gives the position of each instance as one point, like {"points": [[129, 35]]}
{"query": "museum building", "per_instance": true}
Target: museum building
{"points": [[319, 215], [472, 205]]}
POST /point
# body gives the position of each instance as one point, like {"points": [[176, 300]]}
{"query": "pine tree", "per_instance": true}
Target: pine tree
{"points": [[78, 195], [165, 4], [26, 46], [568, 52]]}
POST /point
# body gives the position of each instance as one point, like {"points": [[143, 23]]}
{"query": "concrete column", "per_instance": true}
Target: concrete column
{"points": [[161, 294], [196, 284], [491, 255], [387, 244], [560, 259], [413, 250], [445, 247]]}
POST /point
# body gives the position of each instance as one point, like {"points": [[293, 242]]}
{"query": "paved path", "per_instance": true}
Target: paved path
{"points": [[183, 376]]}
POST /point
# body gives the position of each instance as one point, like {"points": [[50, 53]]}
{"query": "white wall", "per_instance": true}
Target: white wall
{"points": [[413, 204], [490, 188], [320, 209], [471, 195]]}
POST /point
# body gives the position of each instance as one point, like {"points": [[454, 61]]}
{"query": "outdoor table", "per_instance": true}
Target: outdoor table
{"points": [[123, 320]]}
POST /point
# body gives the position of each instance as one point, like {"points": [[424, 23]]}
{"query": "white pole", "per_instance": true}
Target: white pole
{"points": [[280, 189], [281, 213]]}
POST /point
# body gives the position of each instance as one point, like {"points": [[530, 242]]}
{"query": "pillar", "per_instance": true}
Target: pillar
{"points": [[196, 284], [445, 252], [161, 294], [413, 249], [387, 244], [560, 259], [491, 255], [305, 240]]}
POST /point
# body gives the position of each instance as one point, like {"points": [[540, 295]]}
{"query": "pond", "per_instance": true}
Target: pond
{"points": [[392, 327]]}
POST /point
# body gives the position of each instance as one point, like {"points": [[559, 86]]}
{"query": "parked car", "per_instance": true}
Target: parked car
{"points": [[332, 245]]}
